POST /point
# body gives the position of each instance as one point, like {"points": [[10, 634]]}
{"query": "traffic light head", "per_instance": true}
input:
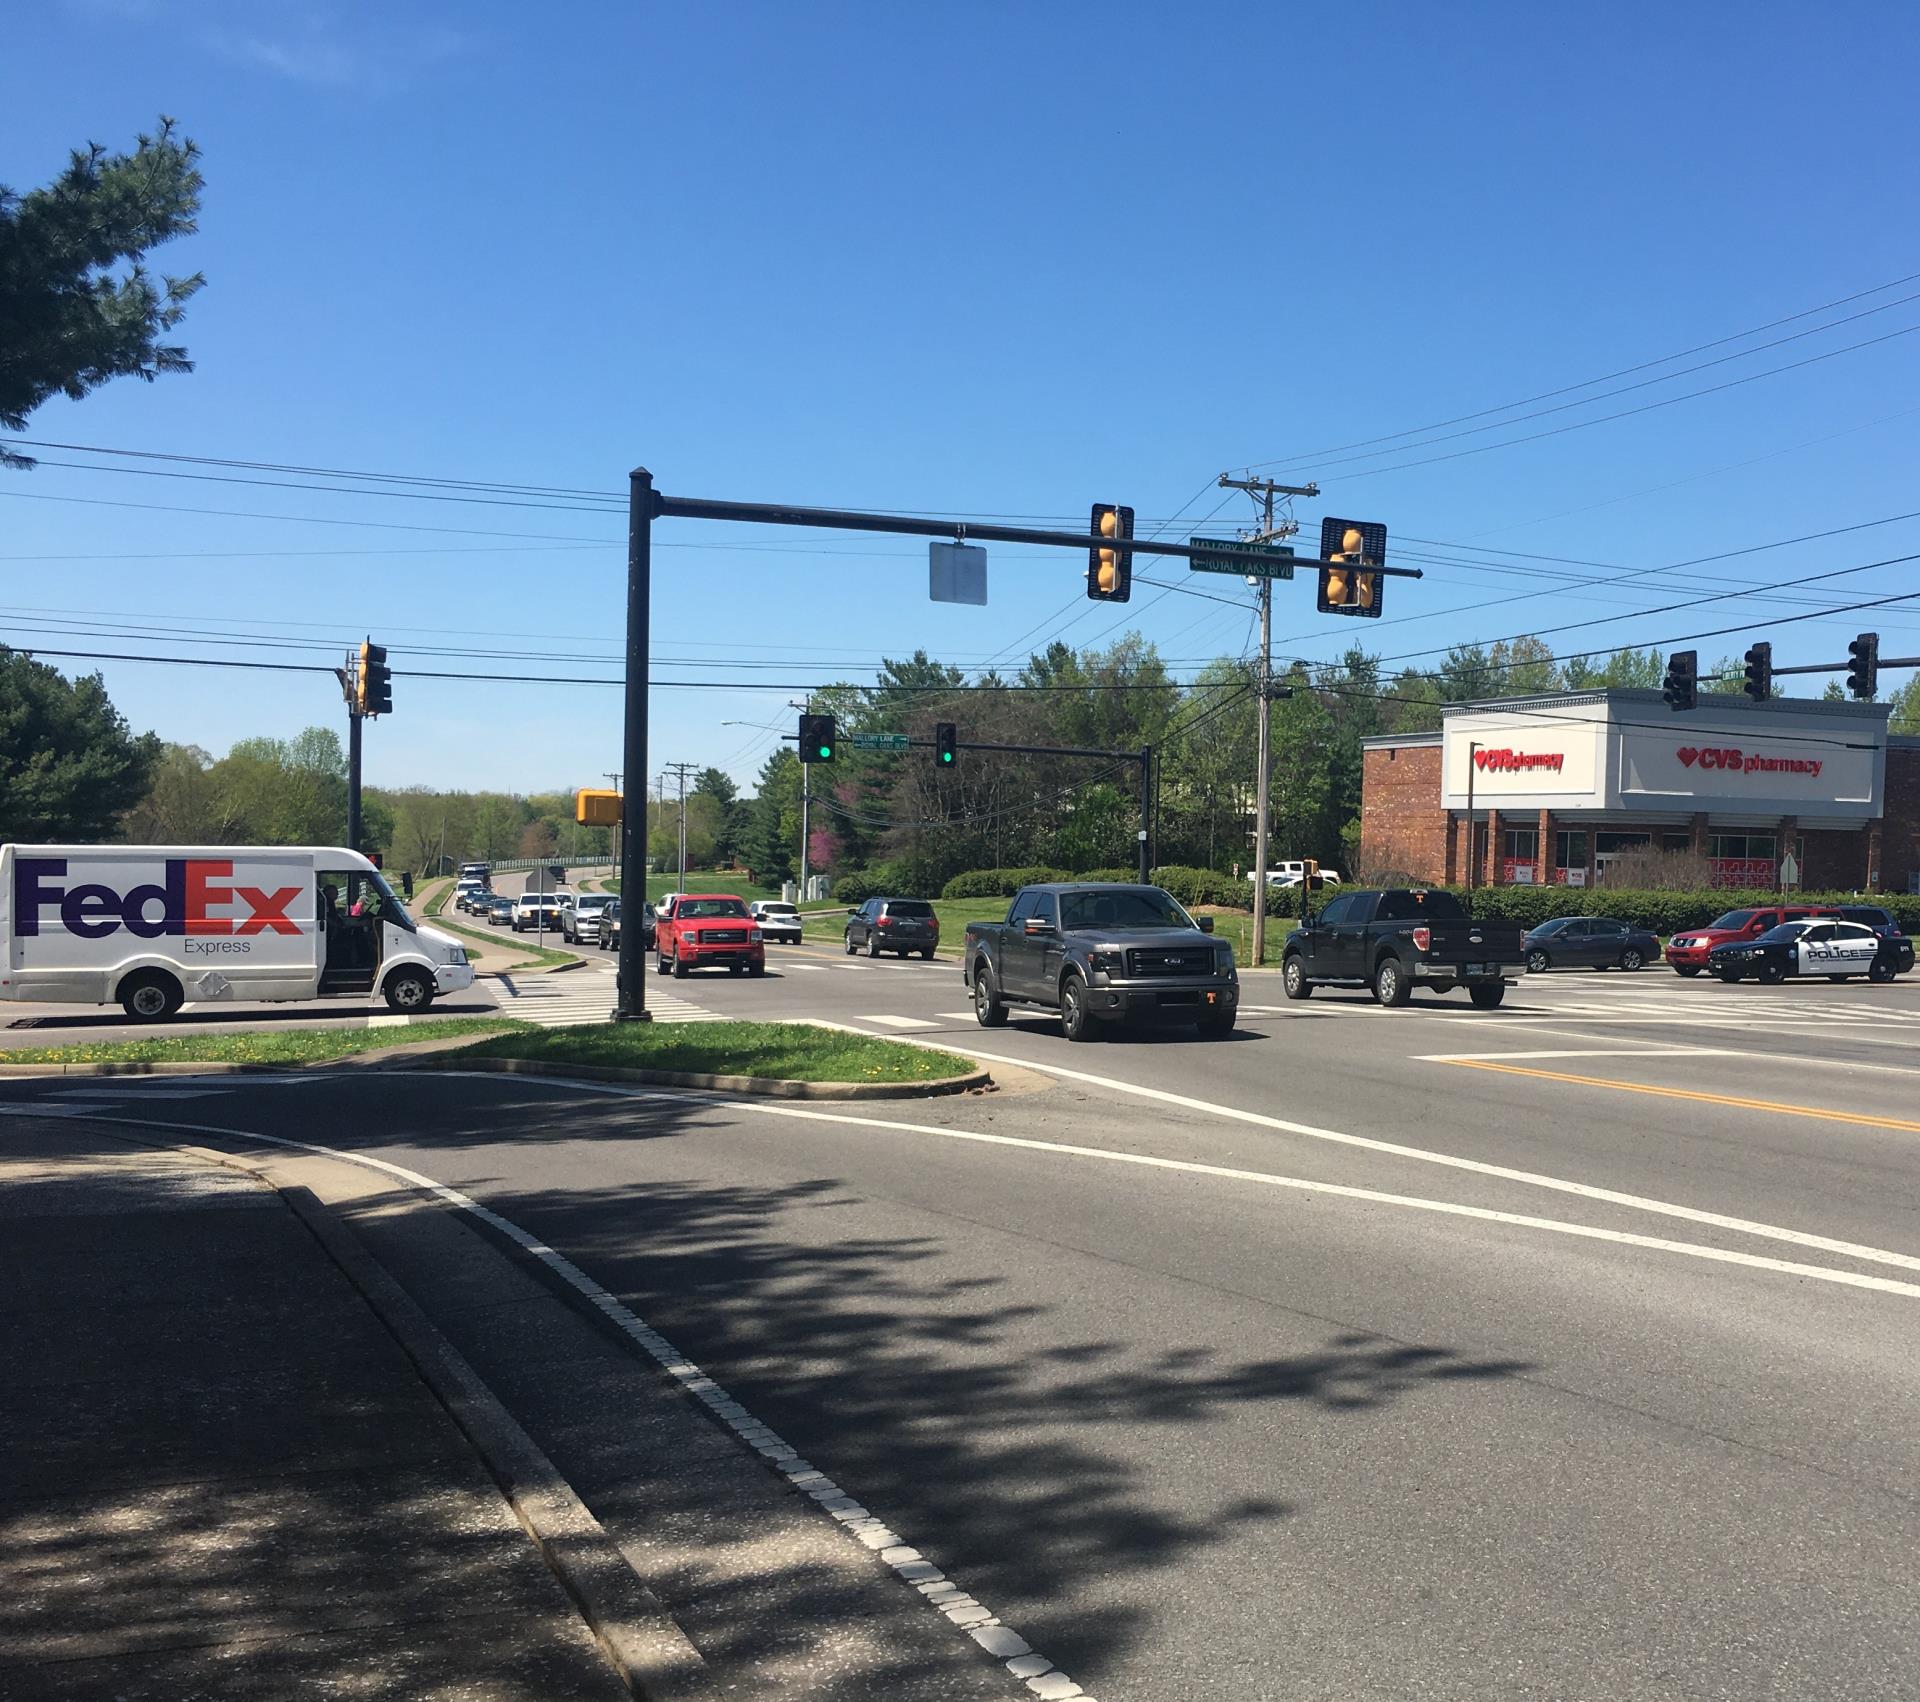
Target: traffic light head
{"points": [[1347, 549], [1759, 680], [596, 807], [1310, 875], [373, 681], [817, 738], [1863, 666], [946, 738], [1681, 686], [1110, 565]]}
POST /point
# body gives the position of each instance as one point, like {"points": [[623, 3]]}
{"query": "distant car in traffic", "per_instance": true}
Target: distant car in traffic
{"points": [[610, 926], [1589, 942], [580, 916], [468, 894], [1880, 920], [1690, 949], [1816, 946], [536, 910], [779, 921], [500, 911], [901, 925]]}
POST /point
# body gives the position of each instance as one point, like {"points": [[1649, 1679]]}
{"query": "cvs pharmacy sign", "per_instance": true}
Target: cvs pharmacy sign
{"points": [[1731, 760], [1519, 762], [193, 896]]}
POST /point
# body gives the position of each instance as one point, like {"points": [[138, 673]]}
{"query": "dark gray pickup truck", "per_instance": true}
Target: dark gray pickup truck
{"points": [[1100, 953], [1398, 939]]}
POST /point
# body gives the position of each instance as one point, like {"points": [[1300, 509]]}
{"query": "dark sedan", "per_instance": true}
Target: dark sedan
{"points": [[610, 926], [1816, 946], [1589, 942]]}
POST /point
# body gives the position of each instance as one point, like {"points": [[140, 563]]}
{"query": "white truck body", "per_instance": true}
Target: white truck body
{"points": [[91, 924]]}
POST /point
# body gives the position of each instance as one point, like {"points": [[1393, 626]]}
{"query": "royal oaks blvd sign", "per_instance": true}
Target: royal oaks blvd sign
{"points": [[1733, 760]]}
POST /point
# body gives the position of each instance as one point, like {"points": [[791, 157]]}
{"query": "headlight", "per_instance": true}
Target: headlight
{"points": [[755, 935], [1107, 962], [1223, 960], [457, 956]]}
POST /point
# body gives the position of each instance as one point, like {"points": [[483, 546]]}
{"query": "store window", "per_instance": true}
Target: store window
{"points": [[1570, 858], [1742, 859], [1612, 844], [1520, 856], [1676, 842]]}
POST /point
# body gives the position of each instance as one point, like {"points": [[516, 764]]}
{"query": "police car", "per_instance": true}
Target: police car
{"points": [[1813, 947]]}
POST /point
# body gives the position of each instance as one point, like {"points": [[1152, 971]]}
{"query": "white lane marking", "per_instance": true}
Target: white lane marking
{"points": [[1793, 1059], [956, 1016], [1422, 1155], [898, 1021], [872, 1532], [1582, 1052], [1262, 1178]]}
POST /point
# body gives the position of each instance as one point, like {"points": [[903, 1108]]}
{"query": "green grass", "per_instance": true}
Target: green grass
{"points": [[658, 886], [791, 1051], [1236, 927], [503, 940], [270, 1046]]}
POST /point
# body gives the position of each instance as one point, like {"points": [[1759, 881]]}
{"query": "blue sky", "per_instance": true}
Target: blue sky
{"points": [[995, 259]]}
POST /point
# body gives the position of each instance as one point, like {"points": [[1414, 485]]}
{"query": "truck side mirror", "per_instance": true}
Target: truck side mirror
{"points": [[1038, 925], [1204, 923]]}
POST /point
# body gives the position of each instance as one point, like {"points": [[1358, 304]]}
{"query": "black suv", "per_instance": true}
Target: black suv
{"points": [[1879, 920], [900, 925]]}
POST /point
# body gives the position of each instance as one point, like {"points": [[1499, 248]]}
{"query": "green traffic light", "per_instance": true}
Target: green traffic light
{"points": [[826, 752]]}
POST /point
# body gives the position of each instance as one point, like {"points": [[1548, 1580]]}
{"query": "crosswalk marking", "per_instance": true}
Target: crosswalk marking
{"points": [[584, 996], [899, 1021]]}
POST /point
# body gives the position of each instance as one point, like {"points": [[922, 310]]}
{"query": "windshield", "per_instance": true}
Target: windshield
{"points": [[697, 908], [1784, 934], [1124, 907], [378, 899], [778, 910], [589, 901], [1732, 919]]}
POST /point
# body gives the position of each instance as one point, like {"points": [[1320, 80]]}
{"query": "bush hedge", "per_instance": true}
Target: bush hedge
{"points": [[999, 883]]}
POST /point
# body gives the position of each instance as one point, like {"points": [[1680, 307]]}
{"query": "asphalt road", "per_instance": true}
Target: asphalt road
{"points": [[1559, 1351]]}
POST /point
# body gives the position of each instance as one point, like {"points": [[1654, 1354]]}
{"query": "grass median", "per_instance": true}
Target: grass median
{"points": [[260, 1046], [788, 1051]]}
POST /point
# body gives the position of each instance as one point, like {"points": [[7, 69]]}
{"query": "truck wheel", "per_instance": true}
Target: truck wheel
{"points": [[1216, 1025], [1487, 998], [1293, 977], [661, 967], [759, 968], [408, 990], [1390, 983], [1077, 1023], [149, 995], [1689, 970], [988, 1011], [1537, 963], [679, 968]]}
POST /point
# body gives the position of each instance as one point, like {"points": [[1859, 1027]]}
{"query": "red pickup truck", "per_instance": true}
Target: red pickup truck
{"points": [[704, 930]]}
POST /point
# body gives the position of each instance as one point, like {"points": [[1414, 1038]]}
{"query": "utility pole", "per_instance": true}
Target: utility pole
{"points": [[1264, 491], [680, 772]]}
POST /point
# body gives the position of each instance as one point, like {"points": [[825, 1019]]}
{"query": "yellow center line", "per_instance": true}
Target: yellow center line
{"points": [[1773, 1105]]}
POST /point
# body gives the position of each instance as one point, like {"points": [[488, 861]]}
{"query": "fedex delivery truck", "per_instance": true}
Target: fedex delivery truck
{"points": [[153, 926]]}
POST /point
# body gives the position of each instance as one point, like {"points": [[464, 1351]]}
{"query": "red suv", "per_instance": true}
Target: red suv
{"points": [[1688, 950], [703, 930]]}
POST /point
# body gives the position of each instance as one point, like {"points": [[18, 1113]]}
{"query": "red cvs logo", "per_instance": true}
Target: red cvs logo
{"points": [[1687, 755]]}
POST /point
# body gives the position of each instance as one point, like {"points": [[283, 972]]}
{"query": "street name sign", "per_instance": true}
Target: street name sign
{"points": [[1231, 555], [880, 741]]}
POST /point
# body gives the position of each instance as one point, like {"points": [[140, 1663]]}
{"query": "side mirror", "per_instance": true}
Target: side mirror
{"points": [[853, 910], [1037, 925], [1205, 924]]}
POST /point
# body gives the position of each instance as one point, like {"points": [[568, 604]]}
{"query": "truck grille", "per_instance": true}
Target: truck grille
{"points": [[723, 936], [1148, 961]]}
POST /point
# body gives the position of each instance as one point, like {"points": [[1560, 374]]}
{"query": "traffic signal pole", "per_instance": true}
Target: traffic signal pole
{"points": [[355, 720], [630, 999]]}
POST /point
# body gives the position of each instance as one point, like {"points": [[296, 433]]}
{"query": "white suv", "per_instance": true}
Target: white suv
{"points": [[779, 922]]}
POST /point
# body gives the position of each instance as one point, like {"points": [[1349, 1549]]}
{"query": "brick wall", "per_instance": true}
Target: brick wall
{"points": [[1900, 831], [1835, 862], [1403, 829]]}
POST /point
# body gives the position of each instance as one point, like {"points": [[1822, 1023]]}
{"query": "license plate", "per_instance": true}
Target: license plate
{"points": [[1476, 968]]}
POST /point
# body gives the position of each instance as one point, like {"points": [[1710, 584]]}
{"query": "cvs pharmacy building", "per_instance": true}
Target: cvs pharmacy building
{"points": [[1558, 787]]}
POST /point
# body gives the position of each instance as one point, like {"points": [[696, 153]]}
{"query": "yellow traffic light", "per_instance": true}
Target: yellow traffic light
{"points": [[595, 807], [1110, 566], [1109, 570], [1349, 551], [1337, 587]]}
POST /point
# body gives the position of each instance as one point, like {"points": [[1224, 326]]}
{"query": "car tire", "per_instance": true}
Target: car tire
{"points": [[988, 1010], [408, 990], [1077, 1023], [662, 967], [1772, 974], [756, 969], [679, 968], [926, 954], [1881, 970], [736, 969], [1836, 978], [1630, 959], [851, 947], [1293, 977], [1686, 970], [873, 944], [1487, 998], [1729, 976], [1538, 963], [151, 995], [1391, 983]]}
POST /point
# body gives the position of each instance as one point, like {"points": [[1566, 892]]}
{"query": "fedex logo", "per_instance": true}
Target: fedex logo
{"points": [[186, 898]]}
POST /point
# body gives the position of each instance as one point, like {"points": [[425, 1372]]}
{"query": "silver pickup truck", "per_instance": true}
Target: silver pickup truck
{"points": [[1100, 954]]}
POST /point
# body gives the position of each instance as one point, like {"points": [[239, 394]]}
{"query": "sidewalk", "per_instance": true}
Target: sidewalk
{"points": [[223, 1478]]}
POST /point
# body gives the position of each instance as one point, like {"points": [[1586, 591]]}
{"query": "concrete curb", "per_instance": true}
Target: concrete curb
{"points": [[646, 1647], [762, 1086], [21, 1072]]}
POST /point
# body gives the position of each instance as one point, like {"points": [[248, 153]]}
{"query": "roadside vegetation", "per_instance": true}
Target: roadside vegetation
{"points": [[791, 1051], [261, 1046]]}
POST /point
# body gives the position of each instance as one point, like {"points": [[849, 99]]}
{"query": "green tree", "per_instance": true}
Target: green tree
{"points": [[69, 765], [716, 784], [771, 839], [77, 304], [1906, 707], [182, 805]]}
